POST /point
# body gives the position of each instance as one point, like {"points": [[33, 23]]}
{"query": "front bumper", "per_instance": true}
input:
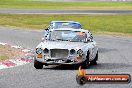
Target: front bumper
{"points": [[60, 62]]}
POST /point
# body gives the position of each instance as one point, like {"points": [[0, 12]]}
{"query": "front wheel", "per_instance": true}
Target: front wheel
{"points": [[85, 64], [94, 62], [38, 65]]}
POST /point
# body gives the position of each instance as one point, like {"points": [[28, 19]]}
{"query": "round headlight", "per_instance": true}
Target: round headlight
{"points": [[79, 52], [39, 51], [72, 52], [46, 51]]}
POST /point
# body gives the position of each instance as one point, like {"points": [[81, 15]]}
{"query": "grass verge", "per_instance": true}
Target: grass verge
{"points": [[64, 5], [95, 23], [6, 52], [3, 57]]}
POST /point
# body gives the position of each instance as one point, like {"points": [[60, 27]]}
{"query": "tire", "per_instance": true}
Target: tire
{"points": [[38, 65], [94, 62], [85, 64]]}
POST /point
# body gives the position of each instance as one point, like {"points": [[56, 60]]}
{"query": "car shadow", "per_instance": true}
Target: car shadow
{"points": [[62, 67], [101, 66]]}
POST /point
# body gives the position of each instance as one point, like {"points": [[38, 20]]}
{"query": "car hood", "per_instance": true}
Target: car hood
{"points": [[61, 45]]}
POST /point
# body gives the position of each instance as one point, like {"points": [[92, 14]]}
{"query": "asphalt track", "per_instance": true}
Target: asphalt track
{"points": [[115, 56], [44, 11]]}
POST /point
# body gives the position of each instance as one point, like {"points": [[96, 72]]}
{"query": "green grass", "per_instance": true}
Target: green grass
{"points": [[95, 23], [3, 57], [64, 5]]}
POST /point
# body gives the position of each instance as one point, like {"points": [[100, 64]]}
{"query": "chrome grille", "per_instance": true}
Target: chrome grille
{"points": [[59, 53]]}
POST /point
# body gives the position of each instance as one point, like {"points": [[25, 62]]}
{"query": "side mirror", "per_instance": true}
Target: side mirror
{"points": [[91, 37], [87, 40]]}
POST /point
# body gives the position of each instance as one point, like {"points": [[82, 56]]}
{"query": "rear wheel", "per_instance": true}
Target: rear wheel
{"points": [[94, 62], [85, 64], [38, 65]]}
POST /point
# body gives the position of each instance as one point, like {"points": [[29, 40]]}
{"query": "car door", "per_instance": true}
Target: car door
{"points": [[92, 44]]}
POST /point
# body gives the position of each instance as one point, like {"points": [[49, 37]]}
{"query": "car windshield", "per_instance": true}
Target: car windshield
{"points": [[73, 36], [74, 25]]}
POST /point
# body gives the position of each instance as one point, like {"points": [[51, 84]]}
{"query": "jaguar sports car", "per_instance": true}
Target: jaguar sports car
{"points": [[66, 46]]}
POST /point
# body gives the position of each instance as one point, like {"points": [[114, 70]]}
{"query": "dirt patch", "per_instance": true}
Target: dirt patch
{"points": [[7, 52]]}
